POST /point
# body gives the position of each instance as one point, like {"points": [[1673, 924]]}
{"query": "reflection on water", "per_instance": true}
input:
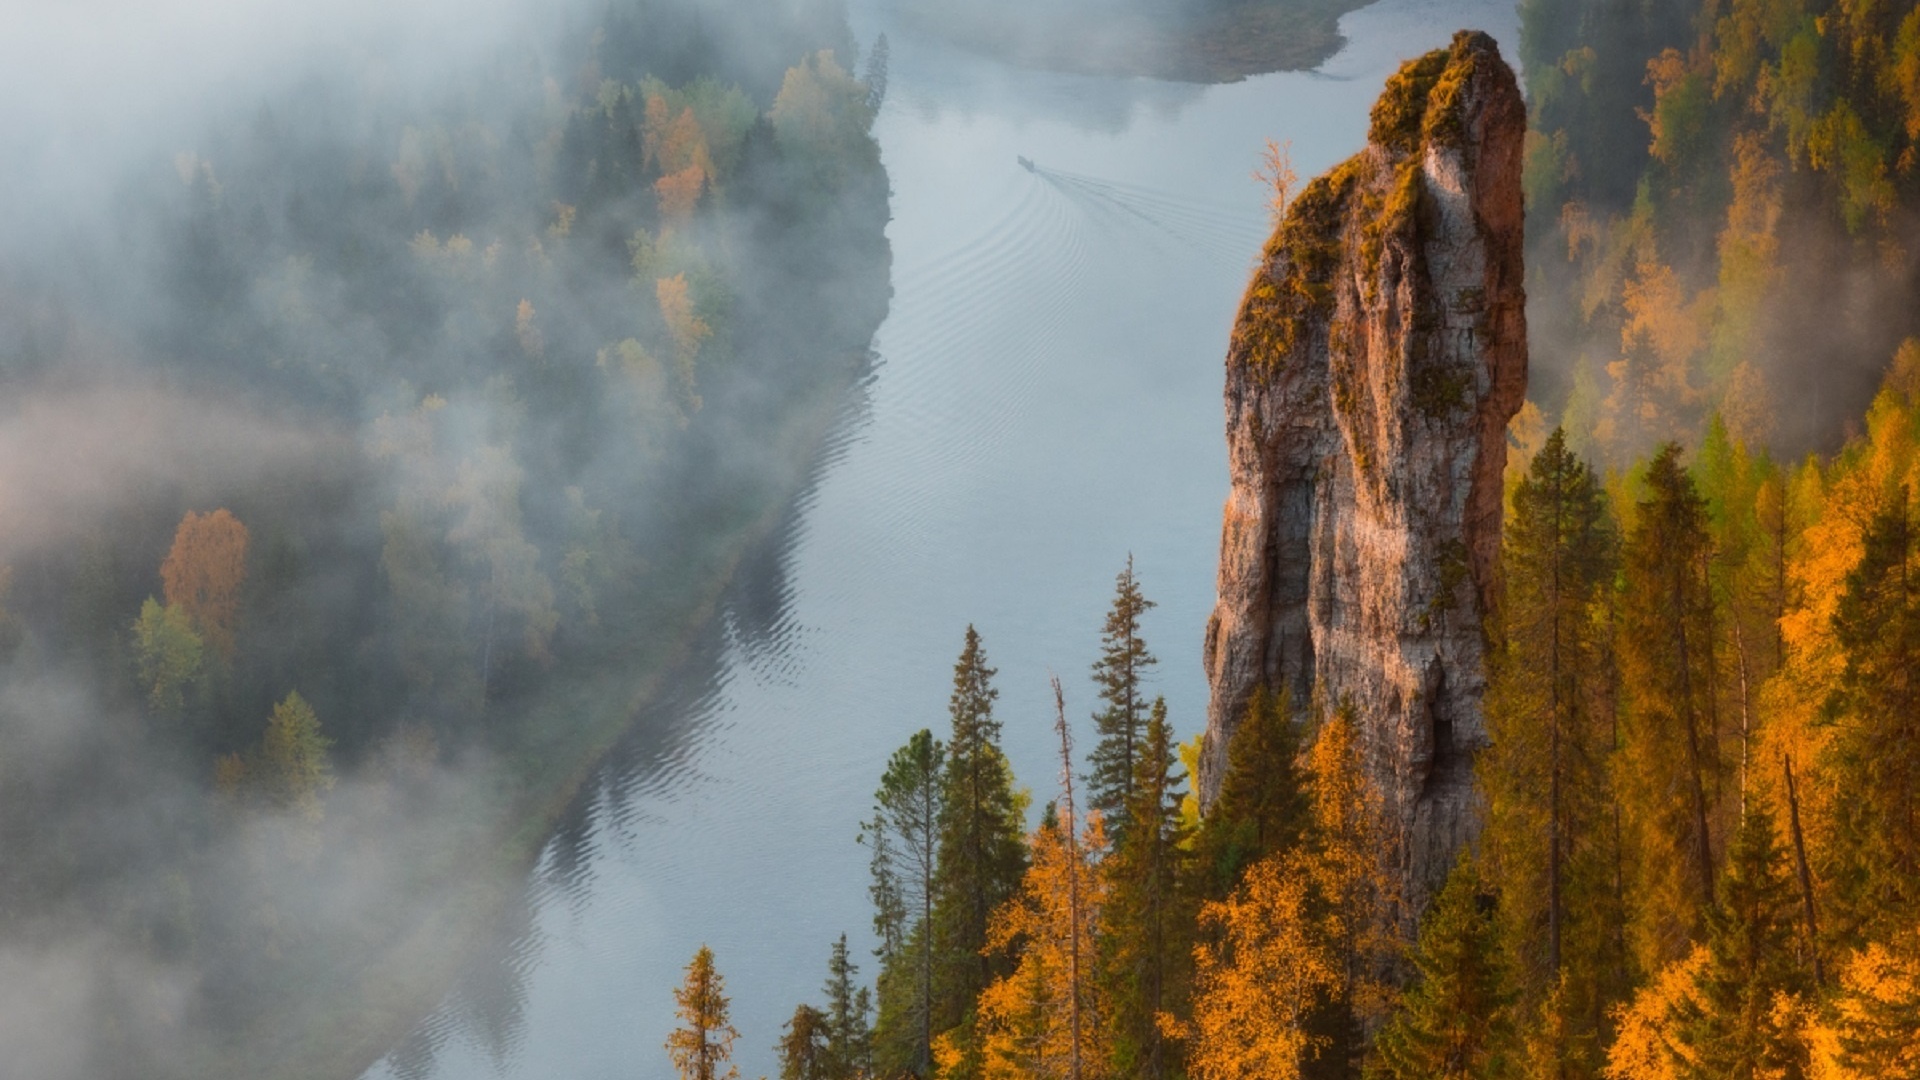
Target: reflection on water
{"points": [[1044, 398]]}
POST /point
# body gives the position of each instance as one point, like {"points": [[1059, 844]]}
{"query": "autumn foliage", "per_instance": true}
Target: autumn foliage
{"points": [[203, 574]]}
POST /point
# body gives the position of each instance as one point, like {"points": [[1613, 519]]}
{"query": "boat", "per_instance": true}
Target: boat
{"points": [[1026, 163]]}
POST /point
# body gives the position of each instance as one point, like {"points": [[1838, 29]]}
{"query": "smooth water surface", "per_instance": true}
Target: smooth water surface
{"points": [[1045, 399]]}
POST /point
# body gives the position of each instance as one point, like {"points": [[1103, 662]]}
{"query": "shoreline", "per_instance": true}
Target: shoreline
{"points": [[1256, 37], [369, 1011]]}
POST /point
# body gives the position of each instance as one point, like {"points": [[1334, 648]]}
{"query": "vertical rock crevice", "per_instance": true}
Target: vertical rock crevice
{"points": [[1379, 353]]}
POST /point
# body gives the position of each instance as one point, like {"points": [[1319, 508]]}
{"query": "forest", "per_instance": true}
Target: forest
{"points": [[1700, 847], [383, 449]]}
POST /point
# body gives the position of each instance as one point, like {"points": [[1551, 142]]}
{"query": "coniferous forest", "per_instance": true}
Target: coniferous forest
{"points": [[1699, 855]]}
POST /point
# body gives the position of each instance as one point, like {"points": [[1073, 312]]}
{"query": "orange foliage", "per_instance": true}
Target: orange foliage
{"points": [[1256, 984], [1025, 1020], [204, 571], [679, 193]]}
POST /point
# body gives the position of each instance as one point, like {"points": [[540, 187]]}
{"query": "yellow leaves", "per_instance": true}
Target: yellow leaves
{"points": [[203, 573], [1269, 963], [1661, 315], [1645, 1047], [1026, 1020], [1877, 1014]]}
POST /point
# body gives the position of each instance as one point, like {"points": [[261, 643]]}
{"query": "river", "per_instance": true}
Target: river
{"points": [[1044, 399]]}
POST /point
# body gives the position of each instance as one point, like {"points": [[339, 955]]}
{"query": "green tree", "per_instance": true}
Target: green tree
{"points": [[1672, 766], [982, 852], [702, 1046], [904, 835], [1453, 1022], [1875, 757], [1751, 963], [1262, 808], [294, 769], [1123, 662], [1147, 933], [169, 655], [849, 1039], [1550, 839]]}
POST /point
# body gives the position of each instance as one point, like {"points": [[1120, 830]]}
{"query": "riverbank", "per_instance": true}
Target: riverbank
{"points": [[1215, 43], [364, 1009]]}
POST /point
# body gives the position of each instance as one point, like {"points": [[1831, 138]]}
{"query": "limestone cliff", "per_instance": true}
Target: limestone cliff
{"points": [[1379, 353]]}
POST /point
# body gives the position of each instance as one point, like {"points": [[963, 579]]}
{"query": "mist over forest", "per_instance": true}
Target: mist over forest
{"points": [[372, 375]]}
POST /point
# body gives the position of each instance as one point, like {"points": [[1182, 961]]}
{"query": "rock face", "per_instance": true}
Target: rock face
{"points": [[1379, 353]]}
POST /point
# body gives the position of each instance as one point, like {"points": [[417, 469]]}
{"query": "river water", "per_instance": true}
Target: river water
{"points": [[1044, 400]]}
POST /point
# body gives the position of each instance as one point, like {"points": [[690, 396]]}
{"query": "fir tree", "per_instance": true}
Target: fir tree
{"points": [[849, 1040], [702, 1046], [1751, 964], [905, 836], [1550, 842], [1147, 937], [1452, 1023], [981, 854], [1876, 756], [1262, 807], [1123, 662]]}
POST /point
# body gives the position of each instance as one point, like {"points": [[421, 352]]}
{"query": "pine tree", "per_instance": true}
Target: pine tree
{"points": [[1123, 662], [1262, 807], [1146, 939], [981, 855], [849, 1040], [1673, 761], [1452, 1023], [702, 1046], [905, 836]]}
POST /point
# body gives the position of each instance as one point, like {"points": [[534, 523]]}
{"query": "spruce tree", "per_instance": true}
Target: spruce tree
{"points": [[1146, 943], [1120, 726], [849, 1040], [905, 835], [1876, 754], [982, 850], [1673, 763], [1751, 964], [1452, 1023], [1262, 807], [1550, 842]]}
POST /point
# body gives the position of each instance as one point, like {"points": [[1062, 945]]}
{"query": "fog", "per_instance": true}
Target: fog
{"points": [[394, 286]]}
